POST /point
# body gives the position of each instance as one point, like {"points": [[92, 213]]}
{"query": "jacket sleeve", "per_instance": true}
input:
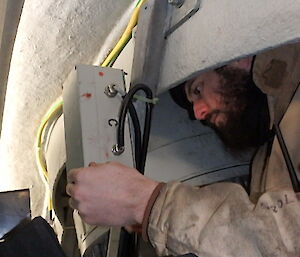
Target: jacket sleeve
{"points": [[220, 220]]}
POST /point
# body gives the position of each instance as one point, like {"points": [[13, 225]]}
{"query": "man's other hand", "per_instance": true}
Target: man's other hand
{"points": [[109, 194]]}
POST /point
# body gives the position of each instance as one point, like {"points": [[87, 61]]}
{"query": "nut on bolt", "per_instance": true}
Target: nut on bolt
{"points": [[110, 90], [177, 3], [116, 150]]}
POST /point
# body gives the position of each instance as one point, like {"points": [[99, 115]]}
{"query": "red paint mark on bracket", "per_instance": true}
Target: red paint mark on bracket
{"points": [[101, 74], [87, 95]]}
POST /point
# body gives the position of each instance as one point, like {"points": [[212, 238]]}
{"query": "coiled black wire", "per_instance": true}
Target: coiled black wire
{"points": [[141, 146]]}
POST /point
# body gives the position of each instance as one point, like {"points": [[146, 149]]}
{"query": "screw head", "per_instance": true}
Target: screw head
{"points": [[110, 90], [116, 150]]}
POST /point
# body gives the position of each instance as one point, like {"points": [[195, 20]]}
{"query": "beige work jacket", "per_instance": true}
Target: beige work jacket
{"points": [[221, 219]]}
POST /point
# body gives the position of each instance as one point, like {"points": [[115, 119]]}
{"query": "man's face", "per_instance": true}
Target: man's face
{"points": [[203, 93], [227, 100]]}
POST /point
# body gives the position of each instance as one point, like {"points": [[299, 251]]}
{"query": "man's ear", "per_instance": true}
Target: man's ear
{"points": [[245, 63]]}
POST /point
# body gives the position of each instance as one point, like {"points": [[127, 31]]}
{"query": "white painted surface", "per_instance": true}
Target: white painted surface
{"points": [[53, 36], [223, 30]]}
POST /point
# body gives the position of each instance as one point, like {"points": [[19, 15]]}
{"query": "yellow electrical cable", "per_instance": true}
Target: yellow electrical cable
{"points": [[127, 33], [51, 113], [58, 105]]}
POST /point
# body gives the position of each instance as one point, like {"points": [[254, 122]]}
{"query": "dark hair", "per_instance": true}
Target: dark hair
{"points": [[179, 96], [237, 87], [248, 123]]}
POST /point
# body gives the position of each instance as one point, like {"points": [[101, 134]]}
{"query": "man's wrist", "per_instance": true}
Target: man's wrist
{"points": [[144, 197], [148, 210]]}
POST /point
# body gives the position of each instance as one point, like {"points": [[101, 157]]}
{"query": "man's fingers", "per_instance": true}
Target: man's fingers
{"points": [[92, 164], [95, 164], [70, 189], [73, 204], [72, 176]]}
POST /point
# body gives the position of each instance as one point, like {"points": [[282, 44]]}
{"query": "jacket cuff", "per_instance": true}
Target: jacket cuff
{"points": [[148, 210]]}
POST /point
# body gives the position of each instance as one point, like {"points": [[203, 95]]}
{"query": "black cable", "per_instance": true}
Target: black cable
{"points": [[141, 148], [124, 108], [137, 133], [288, 161], [146, 135]]}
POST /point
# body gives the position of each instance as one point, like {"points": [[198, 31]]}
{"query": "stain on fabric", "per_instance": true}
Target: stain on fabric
{"points": [[194, 218], [274, 73]]}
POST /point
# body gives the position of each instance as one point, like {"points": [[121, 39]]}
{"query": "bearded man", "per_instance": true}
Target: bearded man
{"points": [[227, 100], [219, 219]]}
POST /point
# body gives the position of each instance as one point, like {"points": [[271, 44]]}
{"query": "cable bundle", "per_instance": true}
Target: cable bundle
{"points": [[141, 144]]}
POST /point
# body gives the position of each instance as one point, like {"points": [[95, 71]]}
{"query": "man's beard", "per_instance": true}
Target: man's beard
{"points": [[247, 119], [232, 132], [247, 123], [243, 129]]}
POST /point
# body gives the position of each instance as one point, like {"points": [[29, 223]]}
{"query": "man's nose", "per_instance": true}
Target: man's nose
{"points": [[201, 109]]}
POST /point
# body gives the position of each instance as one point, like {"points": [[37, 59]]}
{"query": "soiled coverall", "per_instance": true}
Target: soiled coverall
{"points": [[221, 219]]}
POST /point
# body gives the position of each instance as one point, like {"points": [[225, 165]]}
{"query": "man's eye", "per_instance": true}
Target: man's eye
{"points": [[197, 90]]}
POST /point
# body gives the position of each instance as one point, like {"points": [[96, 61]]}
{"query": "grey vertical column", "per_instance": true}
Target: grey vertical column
{"points": [[149, 43]]}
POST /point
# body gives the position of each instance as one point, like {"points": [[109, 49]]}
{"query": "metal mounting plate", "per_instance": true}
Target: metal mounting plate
{"points": [[182, 14], [91, 118]]}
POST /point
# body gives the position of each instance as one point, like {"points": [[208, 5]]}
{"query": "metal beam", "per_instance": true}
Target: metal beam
{"points": [[149, 44]]}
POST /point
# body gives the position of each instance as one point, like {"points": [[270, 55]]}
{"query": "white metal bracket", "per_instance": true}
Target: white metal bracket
{"points": [[187, 12]]}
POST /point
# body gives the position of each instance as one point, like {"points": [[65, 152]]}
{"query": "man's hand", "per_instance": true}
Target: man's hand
{"points": [[109, 194]]}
